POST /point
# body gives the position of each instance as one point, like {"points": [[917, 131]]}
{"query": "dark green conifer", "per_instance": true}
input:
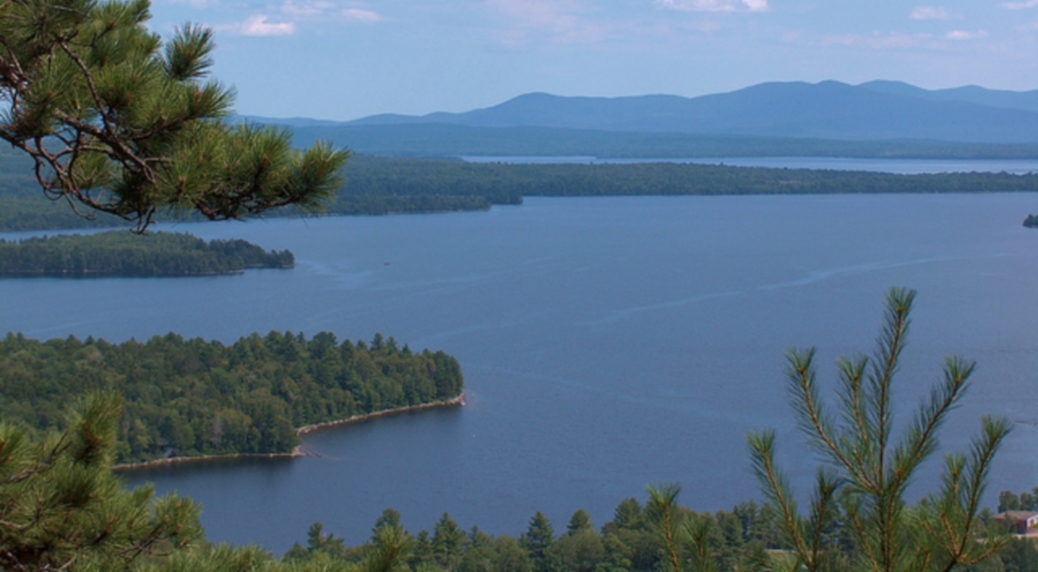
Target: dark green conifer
{"points": [[580, 520], [538, 539], [61, 505], [448, 542], [118, 122]]}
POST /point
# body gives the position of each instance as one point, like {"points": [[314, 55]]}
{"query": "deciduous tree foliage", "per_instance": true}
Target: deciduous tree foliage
{"points": [[117, 121]]}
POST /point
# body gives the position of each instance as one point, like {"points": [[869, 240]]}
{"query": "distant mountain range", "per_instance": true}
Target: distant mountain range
{"points": [[828, 111], [876, 110]]}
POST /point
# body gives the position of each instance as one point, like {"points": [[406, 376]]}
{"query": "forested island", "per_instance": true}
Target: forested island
{"points": [[196, 397], [121, 253], [388, 185], [1031, 221]]}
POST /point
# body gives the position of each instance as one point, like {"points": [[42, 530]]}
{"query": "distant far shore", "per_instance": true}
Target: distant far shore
{"points": [[458, 401]]}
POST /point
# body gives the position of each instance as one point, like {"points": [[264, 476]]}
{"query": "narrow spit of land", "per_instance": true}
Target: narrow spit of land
{"points": [[202, 399], [298, 451]]}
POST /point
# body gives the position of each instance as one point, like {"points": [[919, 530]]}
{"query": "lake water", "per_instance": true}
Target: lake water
{"points": [[898, 166], [607, 344]]}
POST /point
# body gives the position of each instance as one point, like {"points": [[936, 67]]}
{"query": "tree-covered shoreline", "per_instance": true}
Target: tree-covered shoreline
{"points": [[57, 481], [193, 397], [120, 253], [297, 451], [398, 185]]}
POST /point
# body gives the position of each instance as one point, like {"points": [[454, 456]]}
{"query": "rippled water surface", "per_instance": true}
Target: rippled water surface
{"points": [[607, 344]]}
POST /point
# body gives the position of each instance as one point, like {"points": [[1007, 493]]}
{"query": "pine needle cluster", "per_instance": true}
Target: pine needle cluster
{"points": [[116, 121]]}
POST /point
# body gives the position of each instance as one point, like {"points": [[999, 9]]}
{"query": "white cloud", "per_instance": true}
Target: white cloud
{"points": [[930, 13], [714, 5], [964, 35], [259, 26], [307, 8], [559, 22], [361, 16], [295, 13], [195, 3], [535, 12], [310, 9], [1020, 5], [878, 41]]}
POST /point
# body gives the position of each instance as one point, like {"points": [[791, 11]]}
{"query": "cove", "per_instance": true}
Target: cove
{"points": [[607, 343]]}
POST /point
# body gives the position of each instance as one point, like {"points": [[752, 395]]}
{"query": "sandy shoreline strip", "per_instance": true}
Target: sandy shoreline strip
{"points": [[455, 401], [301, 431]]}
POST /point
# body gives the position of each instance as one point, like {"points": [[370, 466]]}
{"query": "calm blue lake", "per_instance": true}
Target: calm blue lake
{"points": [[607, 344]]}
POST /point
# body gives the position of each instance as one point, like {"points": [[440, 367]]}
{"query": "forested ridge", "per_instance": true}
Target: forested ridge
{"points": [[186, 397], [446, 140], [386, 185], [121, 253]]}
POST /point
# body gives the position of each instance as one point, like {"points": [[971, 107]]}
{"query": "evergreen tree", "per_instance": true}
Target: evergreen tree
{"points": [[479, 552], [448, 542], [627, 515], [389, 517], [860, 490], [538, 539], [421, 552], [580, 520], [61, 505], [62, 508], [117, 122], [617, 555], [319, 541]]}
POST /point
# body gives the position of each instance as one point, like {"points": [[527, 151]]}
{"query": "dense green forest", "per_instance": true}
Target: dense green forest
{"points": [[121, 253], [384, 185], [746, 538], [64, 509], [193, 397]]}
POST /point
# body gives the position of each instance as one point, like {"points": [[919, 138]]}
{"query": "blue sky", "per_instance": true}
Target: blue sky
{"points": [[344, 59]]}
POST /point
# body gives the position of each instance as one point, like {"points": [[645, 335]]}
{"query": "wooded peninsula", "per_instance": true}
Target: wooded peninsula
{"points": [[196, 397], [121, 253], [388, 185]]}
